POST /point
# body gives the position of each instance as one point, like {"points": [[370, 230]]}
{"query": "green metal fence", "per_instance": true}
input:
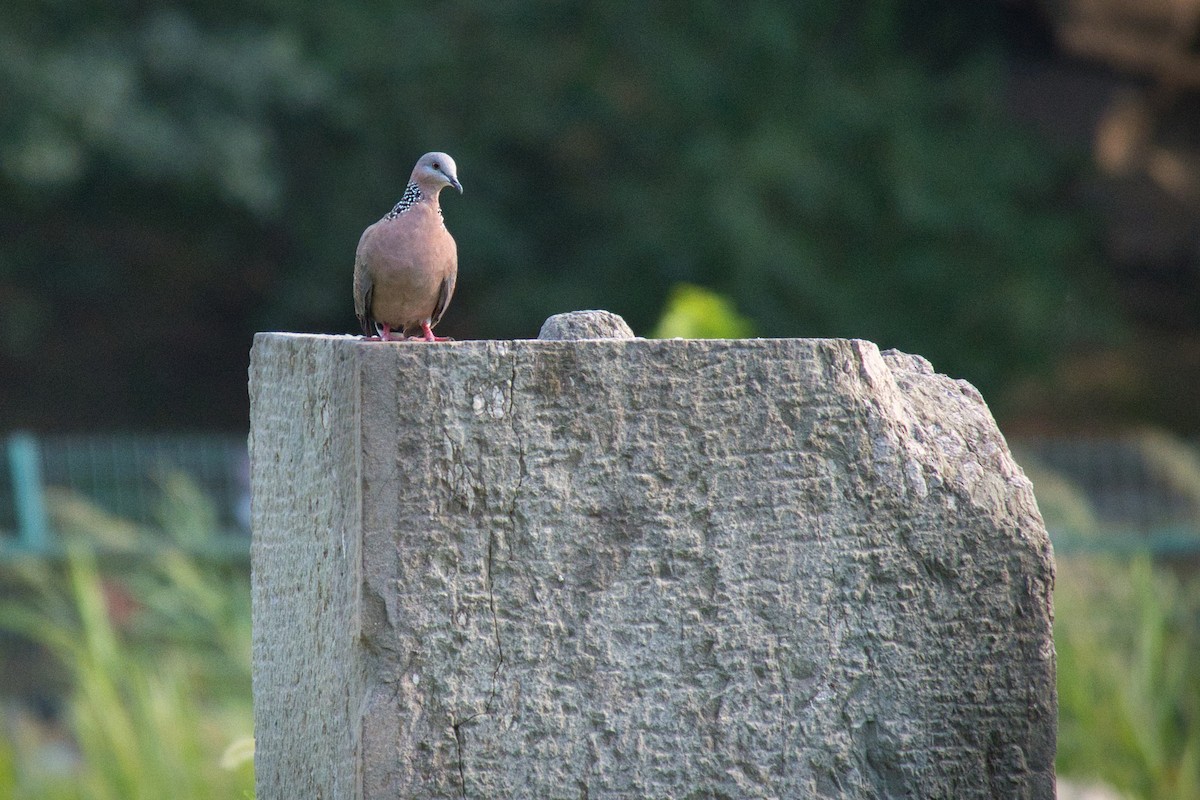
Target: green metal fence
{"points": [[123, 477], [1136, 492], [1117, 494]]}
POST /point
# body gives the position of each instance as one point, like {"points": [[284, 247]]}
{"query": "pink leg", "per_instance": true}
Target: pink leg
{"points": [[384, 336], [427, 334]]}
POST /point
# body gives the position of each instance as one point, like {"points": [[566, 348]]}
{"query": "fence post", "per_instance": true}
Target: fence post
{"points": [[632, 568], [25, 465]]}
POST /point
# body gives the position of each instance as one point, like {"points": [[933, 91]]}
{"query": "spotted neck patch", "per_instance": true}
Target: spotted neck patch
{"points": [[412, 196]]}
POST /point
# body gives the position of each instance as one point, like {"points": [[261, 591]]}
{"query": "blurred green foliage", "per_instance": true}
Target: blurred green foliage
{"points": [[174, 177], [1126, 636], [155, 660], [694, 312], [1127, 625]]}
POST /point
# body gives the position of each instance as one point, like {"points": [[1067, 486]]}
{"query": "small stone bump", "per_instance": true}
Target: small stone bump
{"points": [[585, 325]]}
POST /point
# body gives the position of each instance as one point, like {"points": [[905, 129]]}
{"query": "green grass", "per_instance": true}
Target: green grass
{"points": [[155, 653], [1128, 641]]}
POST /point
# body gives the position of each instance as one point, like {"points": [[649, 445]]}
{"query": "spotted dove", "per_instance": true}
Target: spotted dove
{"points": [[407, 263]]}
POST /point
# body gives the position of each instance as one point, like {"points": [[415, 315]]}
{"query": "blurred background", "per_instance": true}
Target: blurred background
{"points": [[1010, 188]]}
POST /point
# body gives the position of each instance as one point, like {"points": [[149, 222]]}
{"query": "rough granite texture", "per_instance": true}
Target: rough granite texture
{"points": [[637, 568]]}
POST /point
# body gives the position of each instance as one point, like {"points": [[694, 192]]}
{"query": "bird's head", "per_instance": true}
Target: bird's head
{"points": [[435, 170]]}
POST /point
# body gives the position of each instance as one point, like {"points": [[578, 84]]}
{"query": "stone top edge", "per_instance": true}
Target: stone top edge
{"points": [[889, 359], [344, 337]]}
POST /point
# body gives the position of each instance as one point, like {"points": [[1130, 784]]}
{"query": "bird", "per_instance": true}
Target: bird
{"points": [[406, 264]]}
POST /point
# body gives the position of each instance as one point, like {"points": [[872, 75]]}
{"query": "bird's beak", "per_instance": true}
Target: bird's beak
{"points": [[454, 182]]}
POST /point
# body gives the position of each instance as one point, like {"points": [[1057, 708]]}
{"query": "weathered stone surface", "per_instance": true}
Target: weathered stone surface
{"points": [[585, 325], [632, 568], [309, 666]]}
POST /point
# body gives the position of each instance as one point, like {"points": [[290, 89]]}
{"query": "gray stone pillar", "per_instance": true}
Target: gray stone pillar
{"points": [[637, 568]]}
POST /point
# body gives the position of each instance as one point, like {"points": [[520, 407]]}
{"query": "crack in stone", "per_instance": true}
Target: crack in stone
{"points": [[458, 744], [512, 520], [457, 727], [495, 628]]}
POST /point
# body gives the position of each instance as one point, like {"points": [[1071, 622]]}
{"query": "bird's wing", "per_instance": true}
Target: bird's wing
{"points": [[445, 292], [363, 287]]}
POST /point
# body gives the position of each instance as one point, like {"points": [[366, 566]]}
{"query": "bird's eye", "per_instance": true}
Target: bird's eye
{"points": [[437, 166]]}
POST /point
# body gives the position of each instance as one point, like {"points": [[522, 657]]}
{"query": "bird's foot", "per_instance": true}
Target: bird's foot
{"points": [[386, 334], [427, 334]]}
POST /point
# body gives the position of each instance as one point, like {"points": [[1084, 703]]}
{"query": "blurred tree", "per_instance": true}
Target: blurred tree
{"points": [[173, 178]]}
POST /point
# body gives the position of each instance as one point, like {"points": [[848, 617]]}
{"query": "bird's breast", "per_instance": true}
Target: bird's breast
{"points": [[408, 258]]}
